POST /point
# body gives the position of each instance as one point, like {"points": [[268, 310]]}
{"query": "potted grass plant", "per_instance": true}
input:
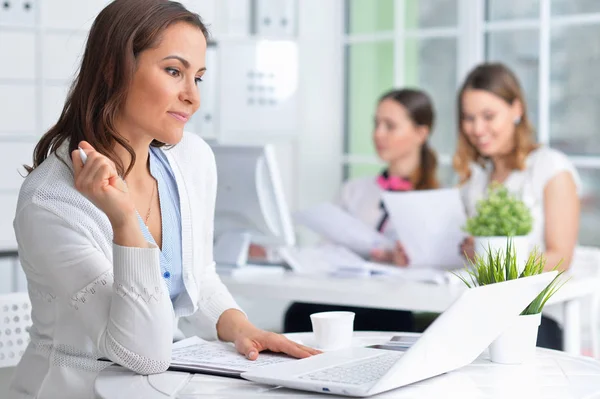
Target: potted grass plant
{"points": [[500, 216], [517, 344]]}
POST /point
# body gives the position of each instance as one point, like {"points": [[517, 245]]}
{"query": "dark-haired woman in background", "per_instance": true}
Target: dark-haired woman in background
{"points": [[403, 123]]}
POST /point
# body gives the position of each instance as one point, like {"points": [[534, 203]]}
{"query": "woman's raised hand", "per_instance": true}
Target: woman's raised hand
{"points": [[99, 182]]}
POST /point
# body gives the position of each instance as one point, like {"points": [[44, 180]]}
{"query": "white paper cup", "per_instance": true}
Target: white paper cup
{"points": [[332, 330]]}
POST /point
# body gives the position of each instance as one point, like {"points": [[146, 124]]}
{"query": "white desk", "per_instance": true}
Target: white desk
{"points": [[386, 292], [552, 375]]}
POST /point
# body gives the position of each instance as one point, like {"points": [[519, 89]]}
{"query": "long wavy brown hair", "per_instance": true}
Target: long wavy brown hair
{"points": [[421, 112], [121, 31], [497, 79]]}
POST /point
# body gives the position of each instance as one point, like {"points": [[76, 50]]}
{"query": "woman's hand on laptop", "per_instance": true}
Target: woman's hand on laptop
{"points": [[256, 341], [97, 179], [233, 326], [396, 256]]}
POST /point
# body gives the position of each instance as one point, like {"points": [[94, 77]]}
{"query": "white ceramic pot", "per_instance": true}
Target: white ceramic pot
{"points": [[520, 243], [517, 344]]}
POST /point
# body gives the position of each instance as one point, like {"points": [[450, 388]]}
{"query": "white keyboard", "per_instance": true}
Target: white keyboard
{"points": [[358, 372]]}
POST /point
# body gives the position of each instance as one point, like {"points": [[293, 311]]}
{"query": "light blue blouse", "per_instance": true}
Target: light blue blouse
{"points": [[170, 254]]}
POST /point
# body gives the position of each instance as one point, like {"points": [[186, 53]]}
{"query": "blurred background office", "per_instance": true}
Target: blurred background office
{"points": [[305, 76]]}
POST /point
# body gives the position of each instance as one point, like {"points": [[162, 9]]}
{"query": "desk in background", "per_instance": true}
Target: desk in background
{"points": [[390, 293], [553, 375]]}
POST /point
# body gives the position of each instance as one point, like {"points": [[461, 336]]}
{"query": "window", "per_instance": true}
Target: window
{"points": [[431, 44], [392, 44]]}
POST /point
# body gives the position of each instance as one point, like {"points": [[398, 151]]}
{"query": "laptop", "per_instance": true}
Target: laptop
{"points": [[455, 339]]}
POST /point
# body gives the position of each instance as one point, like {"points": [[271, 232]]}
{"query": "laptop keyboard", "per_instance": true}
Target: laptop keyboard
{"points": [[358, 372]]}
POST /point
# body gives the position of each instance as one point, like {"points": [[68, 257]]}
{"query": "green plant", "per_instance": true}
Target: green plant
{"points": [[500, 214], [498, 266]]}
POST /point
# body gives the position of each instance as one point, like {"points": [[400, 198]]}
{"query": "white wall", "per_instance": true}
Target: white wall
{"points": [[40, 48], [320, 142], [316, 171]]}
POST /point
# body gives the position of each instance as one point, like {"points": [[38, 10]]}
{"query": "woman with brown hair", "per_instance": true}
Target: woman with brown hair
{"points": [[117, 244], [403, 123], [496, 144]]}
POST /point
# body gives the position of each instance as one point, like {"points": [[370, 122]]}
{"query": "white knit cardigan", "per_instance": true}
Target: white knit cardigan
{"points": [[92, 298]]}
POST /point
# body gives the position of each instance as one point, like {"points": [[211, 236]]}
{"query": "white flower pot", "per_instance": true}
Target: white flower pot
{"points": [[517, 344], [520, 243]]}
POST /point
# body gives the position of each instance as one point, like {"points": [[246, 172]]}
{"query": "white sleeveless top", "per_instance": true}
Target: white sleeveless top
{"points": [[542, 165]]}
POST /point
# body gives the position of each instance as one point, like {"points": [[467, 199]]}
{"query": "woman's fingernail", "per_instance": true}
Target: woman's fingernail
{"points": [[251, 354]]}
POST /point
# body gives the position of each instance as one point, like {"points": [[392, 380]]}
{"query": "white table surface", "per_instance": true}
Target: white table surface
{"points": [[552, 375], [387, 292]]}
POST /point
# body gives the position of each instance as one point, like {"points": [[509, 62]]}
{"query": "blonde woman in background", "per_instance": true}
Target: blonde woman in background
{"points": [[496, 144]]}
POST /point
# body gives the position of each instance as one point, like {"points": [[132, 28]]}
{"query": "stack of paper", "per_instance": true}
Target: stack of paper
{"points": [[322, 259], [335, 260], [339, 227], [199, 356], [429, 226], [417, 274], [428, 223]]}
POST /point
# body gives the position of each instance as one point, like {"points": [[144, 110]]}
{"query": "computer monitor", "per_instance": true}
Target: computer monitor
{"points": [[251, 205]]}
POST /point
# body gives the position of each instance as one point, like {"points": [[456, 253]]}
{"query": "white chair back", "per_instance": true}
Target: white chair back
{"points": [[15, 320], [586, 263]]}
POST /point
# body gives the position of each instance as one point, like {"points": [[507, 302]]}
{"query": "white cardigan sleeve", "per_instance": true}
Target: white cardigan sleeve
{"points": [[121, 304]]}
